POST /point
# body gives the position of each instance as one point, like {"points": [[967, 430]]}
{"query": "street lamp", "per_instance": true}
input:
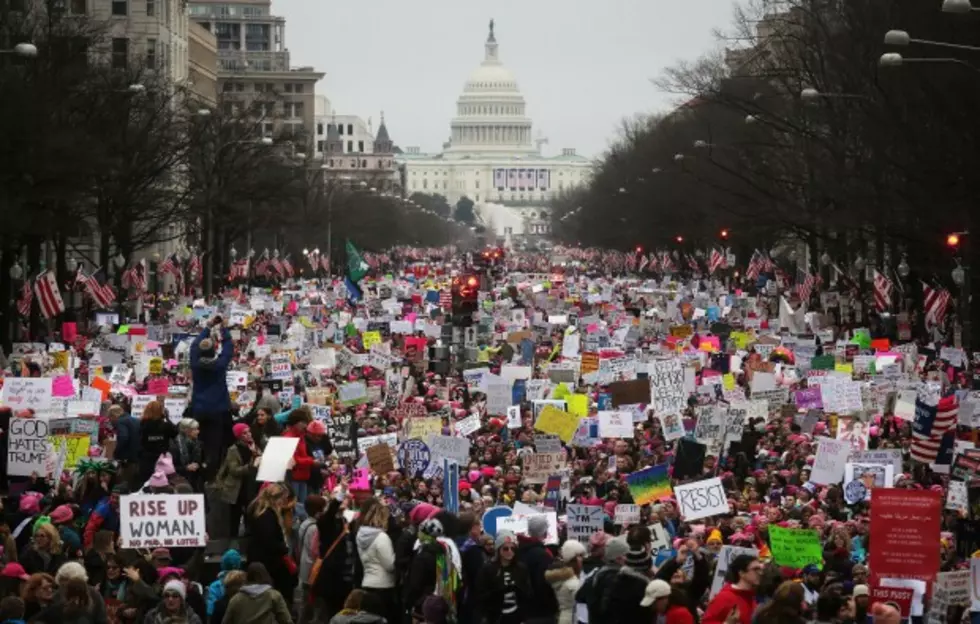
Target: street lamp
{"points": [[751, 119], [622, 190], [811, 95], [119, 260], [960, 7], [860, 263], [894, 59], [903, 268], [656, 170], [959, 275], [700, 144], [678, 157], [825, 259], [16, 271], [136, 88], [26, 50], [901, 38]]}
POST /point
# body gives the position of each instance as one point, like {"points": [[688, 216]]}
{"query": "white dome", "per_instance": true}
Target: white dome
{"points": [[491, 77]]}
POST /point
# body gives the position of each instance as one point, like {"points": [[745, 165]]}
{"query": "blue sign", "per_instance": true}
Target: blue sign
{"points": [[414, 457], [450, 486], [490, 517]]}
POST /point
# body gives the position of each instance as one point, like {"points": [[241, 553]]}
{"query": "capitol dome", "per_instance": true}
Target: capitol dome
{"points": [[491, 113]]}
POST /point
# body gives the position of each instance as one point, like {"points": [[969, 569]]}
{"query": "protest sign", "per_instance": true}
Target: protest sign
{"points": [[808, 398], [905, 524], [554, 420], [27, 446], [547, 444], [468, 426], [725, 557], [880, 456], [902, 597], [584, 521], [343, 435], [710, 420], [667, 386], [353, 393], [795, 548], [162, 521], [414, 456], [379, 456], [21, 393], [422, 428], [615, 425], [517, 523], [630, 392], [540, 466], [701, 499], [627, 515], [828, 466], [74, 445], [514, 420], [649, 485], [275, 459], [446, 447]]}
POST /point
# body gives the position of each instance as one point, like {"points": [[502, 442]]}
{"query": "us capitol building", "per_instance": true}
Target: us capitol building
{"points": [[493, 159]]}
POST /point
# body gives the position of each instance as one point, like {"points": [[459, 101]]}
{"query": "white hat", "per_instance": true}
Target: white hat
{"points": [[571, 549], [655, 591]]}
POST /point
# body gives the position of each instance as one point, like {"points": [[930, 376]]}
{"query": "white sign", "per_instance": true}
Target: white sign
{"points": [[27, 446], [615, 425], [701, 499], [162, 521], [627, 515], [21, 393], [275, 459], [828, 467], [584, 521], [467, 426], [453, 449], [667, 386], [514, 417], [518, 524]]}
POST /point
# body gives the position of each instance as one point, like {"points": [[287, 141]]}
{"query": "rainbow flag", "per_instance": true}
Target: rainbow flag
{"points": [[649, 485]]}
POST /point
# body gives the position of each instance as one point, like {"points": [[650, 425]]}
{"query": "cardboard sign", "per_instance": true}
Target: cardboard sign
{"points": [[162, 520], [27, 446], [379, 456], [701, 499], [629, 392]]}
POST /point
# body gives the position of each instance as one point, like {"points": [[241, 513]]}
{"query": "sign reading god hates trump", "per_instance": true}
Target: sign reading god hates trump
{"points": [[162, 520]]}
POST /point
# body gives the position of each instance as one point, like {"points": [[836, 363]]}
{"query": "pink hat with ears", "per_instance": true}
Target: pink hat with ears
{"points": [[30, 502], [165, 464], [873, 431]]}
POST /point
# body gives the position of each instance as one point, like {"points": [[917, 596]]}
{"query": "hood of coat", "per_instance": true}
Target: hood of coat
{"points": [[366, 536], [556, 576], [254, 591]]}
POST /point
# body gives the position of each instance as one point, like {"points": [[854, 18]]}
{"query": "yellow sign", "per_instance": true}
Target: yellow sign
{"points": [[561, 392], [62, 359], [156, 366], [841, 367], [422, 428], [371, 338], [553, 420], [741, 339], [728, 381], [306, 322], [578, 405], [77, 444], [681, 331]]}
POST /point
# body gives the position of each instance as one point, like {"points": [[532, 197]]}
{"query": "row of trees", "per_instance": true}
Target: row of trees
{"points": [[803, 135], [102, 157]]}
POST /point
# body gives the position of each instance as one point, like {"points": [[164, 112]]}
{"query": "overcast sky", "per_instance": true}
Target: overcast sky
{"points": [[582, 65]]}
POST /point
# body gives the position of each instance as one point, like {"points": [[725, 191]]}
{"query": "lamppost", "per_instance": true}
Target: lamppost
{"points": [[24, 50]]}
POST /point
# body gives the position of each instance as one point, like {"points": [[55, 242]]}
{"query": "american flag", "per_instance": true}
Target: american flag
{"points": [[325, 263], [935, 304], [80, 277], [238, 270], [693, 264], [716, 261], [135, 277], [883, 291], [98, 288], [287, 266], [170, 265], [195, 269], [931, 425], [262, 266], [26, 299], [667, 264], [653, 261], [756, 264], [806, 286], [48, 295], [277, 265]]}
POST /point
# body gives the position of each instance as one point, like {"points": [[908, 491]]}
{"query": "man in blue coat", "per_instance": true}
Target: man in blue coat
{"points": [[210, 402]]}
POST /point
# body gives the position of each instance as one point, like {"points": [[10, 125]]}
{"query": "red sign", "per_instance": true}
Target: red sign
{"points": [[900, 597], [905, 526]]}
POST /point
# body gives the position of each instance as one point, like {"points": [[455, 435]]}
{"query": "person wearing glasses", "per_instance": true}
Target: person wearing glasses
{"points": [[505, 586], [173, 606], [736, 602]]}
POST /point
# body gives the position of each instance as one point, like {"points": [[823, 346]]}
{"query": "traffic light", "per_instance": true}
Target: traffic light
{"points": [[466, 294]]}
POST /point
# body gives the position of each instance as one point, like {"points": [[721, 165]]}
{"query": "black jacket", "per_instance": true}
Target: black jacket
{"points": [[490, 591], [56, 614], [474, 559], [127, 439], [34, 563], [696, 586], [538, 559], [267, 545], [336, 577], [619, 600], [155, 436], [421, 578]]}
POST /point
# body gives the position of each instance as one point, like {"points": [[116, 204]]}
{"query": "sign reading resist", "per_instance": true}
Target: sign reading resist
{"points": [[162, 520], [701, 499]]}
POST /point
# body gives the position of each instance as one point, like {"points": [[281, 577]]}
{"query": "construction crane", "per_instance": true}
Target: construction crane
{"points": [[541, 140]]}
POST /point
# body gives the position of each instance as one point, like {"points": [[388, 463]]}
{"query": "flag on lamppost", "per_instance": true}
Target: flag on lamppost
{"points": [[935, 304], [26, 298], [48, 295], [883, 291]]}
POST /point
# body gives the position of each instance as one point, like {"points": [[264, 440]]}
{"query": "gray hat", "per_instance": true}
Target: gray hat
{"points": [[537, 526], [616, 548], [504, 537]]}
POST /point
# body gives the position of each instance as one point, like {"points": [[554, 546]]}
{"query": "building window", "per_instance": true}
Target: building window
{"points": [[319, 147], [294, 109], [350, 146], [298, 87], [477, 197], [350, 128], [425, 184], [353, 164], [78, 7], [151, 53], [340, 129], [120, 52], [477, 184], [151, 8], [363, 164], [331, 162], [415, 184], [120, 8], [360, 146], [319, 129]]}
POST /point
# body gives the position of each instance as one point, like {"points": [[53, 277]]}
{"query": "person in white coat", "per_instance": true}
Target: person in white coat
{"points": [[377, 555], [565, 579]]}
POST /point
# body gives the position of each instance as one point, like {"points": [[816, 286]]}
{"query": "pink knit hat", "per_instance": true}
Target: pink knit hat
{"points": [[239, 430], [158, 480], [30, 502], [62, 514], [165, 464], [422, 512]]}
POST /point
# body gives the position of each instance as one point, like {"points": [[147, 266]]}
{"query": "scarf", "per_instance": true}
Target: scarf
{"points": [[448, 566]]}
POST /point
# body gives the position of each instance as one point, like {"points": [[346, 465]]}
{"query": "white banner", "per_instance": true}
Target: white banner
{"points": [[162, 520]]}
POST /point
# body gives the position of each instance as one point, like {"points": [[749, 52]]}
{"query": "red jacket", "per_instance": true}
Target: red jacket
{"points": [[303, 460], [727, 599], [678, 614]]}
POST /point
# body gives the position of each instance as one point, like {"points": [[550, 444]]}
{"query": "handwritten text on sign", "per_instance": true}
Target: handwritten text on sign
{"points": [[701, 499], [667, 386], [162, 520], [27, 446]]}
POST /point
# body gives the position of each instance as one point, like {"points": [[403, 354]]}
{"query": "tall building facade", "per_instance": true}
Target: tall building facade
{"points": [[253, 62], [202, 71], [493, 158]]}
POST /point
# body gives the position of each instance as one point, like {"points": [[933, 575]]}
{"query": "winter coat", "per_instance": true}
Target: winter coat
{"points": [[234, 471], [267, 545], [491, 590], [55, 612], [127, 439], [159, 615], [103, 518], [257, 604], [34, 562], [474, 559], [421, 578], [727, 599], [698, 584], [361, 617], [185, 452], [678, 614], [565, 582], [304, 544], [303, 461], [155, 437], [209, 394], [620, 602], [377, 557], [537, 559], [336, 577]]}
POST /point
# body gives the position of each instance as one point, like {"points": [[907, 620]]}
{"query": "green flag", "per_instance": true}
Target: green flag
{"points": [[357, 268]]}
